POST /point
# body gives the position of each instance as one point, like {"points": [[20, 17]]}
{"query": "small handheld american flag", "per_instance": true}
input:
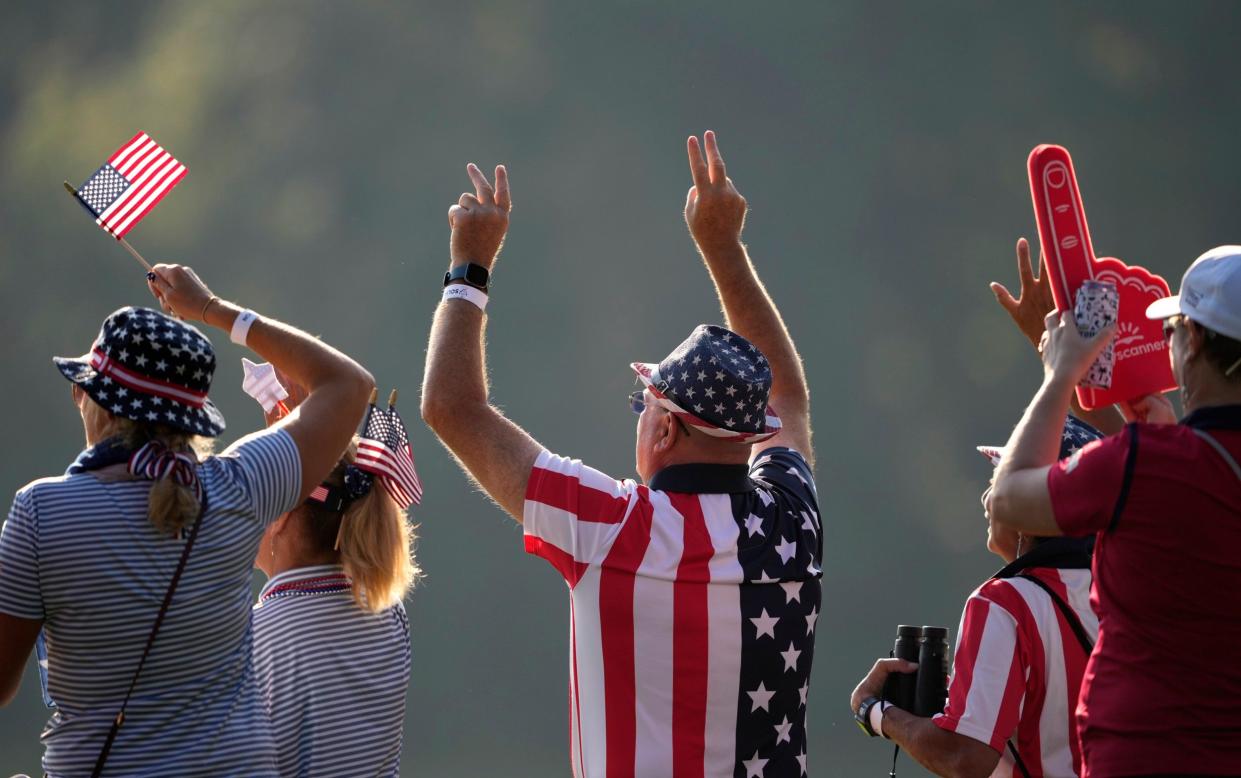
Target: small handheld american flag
{"points": [[126, 187], [383, 449]]}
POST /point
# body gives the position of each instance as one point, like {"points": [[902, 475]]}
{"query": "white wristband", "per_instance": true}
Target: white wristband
{"points": [[241, 326], [876, 717], [466, 292]]}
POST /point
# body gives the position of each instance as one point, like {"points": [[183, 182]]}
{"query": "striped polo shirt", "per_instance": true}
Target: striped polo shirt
{"points": [[333, 676], [79, 553], [693, 608], [1018, 669]]}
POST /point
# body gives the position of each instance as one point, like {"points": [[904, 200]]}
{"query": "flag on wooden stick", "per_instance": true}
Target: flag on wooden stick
{"points": [[383, 449], [126, 187]]}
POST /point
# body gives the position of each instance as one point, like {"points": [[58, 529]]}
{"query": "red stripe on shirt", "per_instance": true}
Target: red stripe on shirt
{"points": [[1074, 663], [616, 632], [967, 654], [1015, 714], [570, 495], [562, 560], [689, 640]]}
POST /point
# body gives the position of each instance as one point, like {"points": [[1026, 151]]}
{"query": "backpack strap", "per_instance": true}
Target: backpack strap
{"points": [[1219, 449]]}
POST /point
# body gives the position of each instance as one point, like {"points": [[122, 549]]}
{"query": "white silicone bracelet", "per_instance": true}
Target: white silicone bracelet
{"points": [[876, 718], [466, 292], [241, 326]]}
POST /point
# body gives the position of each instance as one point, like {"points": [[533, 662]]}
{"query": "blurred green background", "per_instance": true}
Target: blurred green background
{"points": [[882, 147]]}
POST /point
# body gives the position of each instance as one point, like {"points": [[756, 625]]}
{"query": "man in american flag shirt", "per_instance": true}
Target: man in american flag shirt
{"points": [[694, 596]]}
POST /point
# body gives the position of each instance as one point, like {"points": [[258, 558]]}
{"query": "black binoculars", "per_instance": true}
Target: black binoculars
{"points": [[924, 692]]}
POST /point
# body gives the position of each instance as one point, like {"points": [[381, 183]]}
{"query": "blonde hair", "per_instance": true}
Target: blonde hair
{"points": [[376, 541], [171, 507]]}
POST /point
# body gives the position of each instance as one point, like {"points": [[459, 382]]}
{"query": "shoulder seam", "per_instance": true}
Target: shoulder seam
{"points": [[1127, 479]]}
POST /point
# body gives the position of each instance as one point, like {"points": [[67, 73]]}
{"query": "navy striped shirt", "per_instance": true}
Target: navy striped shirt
{"points": [[79, 553], [333, 676]]}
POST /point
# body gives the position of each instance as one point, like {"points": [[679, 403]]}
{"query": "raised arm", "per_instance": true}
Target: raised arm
{"points": [[493, 450], [337, 388], [1019, 496], [715, 213]]}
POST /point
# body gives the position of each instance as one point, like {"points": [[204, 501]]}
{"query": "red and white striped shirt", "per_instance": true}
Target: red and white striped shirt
{"points": [[1018, 669], [693, 606]]}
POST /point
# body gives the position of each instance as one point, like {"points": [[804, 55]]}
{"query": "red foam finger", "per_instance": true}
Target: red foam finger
{"points": [[1141, 359]]}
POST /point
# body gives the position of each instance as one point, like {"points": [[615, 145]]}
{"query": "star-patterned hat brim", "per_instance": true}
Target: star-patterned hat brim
{"points": [[150, 368], [648, 374], [207, 421]]}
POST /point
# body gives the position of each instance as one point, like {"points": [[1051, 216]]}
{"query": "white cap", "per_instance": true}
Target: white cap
{"points": [[1210, 293]]}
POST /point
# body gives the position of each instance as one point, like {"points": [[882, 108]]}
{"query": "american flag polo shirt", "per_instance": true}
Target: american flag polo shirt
{"points": [[693, 606], [333, 677], [79, 553], [1018, 670]]}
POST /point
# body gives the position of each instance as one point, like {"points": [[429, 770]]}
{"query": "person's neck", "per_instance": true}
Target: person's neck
{"points": [[1210, 391], [282, 563]]}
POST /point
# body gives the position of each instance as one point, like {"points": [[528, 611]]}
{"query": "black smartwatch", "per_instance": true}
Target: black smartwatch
{"points": [[472, 274], [862, 715]]}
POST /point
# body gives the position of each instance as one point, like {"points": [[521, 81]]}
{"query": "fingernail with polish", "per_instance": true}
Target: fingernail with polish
{"points": [[150, 275]]}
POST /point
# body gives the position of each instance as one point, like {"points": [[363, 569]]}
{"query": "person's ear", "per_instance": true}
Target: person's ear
{"points": [[280, 524], [666, 433]]}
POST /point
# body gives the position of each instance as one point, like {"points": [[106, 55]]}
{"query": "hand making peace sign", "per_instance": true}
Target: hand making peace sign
{"points": [[714, 209]]}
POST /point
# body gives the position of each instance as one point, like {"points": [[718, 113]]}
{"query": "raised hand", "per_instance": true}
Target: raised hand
{"points": [[1035, 302], [179, 290], [479, 221], [1067, 354], [714, 209]]}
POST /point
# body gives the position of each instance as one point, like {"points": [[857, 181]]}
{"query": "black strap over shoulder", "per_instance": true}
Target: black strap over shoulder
{"points": [[159, 619], [1069, 615]]}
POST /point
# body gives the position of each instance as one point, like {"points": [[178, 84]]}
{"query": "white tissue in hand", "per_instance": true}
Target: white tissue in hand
{"points": [[260, 382]]}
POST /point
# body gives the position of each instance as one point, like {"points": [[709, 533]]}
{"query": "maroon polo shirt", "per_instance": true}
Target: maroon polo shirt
{"points": [[1162, 691]]}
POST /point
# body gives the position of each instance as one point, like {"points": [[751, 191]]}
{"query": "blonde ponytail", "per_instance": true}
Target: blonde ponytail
{"points": [[171, 507], [376, 550], [373, 538]]}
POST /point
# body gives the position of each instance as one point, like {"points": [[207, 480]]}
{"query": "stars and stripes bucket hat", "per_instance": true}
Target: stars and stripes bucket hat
{"points": [[149, 368], [716, 381], [1075, 436]]}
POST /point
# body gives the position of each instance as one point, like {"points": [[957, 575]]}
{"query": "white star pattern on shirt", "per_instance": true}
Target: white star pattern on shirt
{"points": [[801, 760], [760, 697], [811, 618], [731, 390], [766, 625], [804, 691], [793, 471], [782, 731], [765, 497], [754, 524], [763, 578], [754, 767], [786, 549], [790, 657], [807, 523], [792, 591]]}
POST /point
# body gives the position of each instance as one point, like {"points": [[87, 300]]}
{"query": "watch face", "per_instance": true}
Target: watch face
{"points": [[476, 275]]}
